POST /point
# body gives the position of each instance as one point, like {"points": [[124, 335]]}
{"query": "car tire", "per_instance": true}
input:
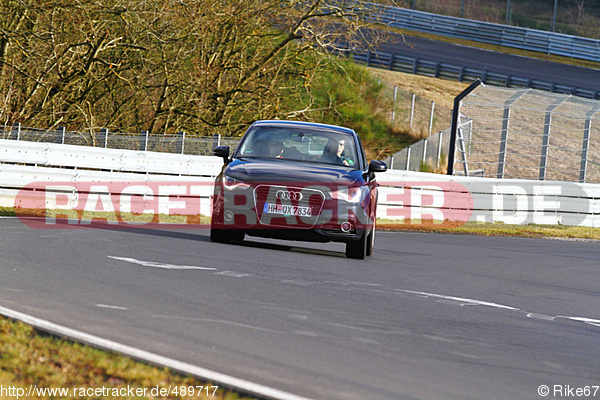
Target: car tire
{"points": [[371, 242], [357, 249], [226, 235]]}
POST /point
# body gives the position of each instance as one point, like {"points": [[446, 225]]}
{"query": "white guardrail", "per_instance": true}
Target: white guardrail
{"points": [[402, 194], [487, 32]]}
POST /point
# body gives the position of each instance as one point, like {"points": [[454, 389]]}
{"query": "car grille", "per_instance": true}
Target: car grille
{"points": [[312, 198]]}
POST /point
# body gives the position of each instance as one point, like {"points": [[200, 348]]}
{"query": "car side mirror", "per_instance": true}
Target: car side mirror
{"points": [[223, 152], [377, 166]]}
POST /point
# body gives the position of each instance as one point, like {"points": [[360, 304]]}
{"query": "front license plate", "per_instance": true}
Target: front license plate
{"points": [[287, 210]]}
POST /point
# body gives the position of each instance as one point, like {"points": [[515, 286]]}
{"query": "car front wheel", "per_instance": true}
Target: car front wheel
{"points": [[371, 242], [226, 235], [358, 248]]}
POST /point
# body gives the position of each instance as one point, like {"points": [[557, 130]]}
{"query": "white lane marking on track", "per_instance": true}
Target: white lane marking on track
{"points": [[589, 321], [541, 316], [232, 274], [160, 265], [217, 321], [462, 300], [202, 373], [112, 307]]}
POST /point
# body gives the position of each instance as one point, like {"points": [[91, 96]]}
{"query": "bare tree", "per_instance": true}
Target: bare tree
{"points": [[204, 66]]}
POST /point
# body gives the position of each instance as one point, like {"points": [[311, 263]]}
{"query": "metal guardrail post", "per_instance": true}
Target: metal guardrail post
{"points": [[454, 127], [586, 143], [504, 135], [546, 138]]}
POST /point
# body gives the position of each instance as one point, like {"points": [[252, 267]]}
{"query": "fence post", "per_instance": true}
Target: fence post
{"points": [[16, 131], [455, 121], [546, 138], [461, 143], [586, 143], [104, 133], [553, 23], [216, 140], [60, 135], [408, 159], [412, 110], [424, 159], [431, 117], [392, 161], [394, 106], [439, 150], [504, 135], [144, 141], [181, 140]]}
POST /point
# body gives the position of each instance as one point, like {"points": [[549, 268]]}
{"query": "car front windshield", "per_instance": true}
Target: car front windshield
{"points": [[309, 144]]}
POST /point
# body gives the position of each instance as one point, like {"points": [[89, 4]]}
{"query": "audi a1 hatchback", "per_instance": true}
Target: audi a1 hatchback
{"points": [[297, 181]]}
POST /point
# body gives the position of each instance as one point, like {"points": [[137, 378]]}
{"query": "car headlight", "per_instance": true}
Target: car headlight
{"points": [[351, 194], [231, 183]]}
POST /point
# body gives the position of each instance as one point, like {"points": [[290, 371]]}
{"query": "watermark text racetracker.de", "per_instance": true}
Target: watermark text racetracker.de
{"points": [[125, 391], [273, 204], [569, 391]]}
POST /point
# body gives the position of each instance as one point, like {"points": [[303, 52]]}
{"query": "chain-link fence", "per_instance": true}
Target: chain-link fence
{"points": [[417, 115], [423, 119], [528, 134], [427, 155], [179, 143]]}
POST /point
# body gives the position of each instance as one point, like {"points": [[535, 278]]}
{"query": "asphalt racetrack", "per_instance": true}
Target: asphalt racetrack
{"points": [[519, 66], [428, 316]]}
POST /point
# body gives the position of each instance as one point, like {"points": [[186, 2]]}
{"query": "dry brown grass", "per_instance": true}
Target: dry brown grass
{"points": [[441, 91], [30, 359]]}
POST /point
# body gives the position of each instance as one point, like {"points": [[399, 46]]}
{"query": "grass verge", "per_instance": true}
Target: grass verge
{"points": [[472, 228], [493, 229], [30, 358]]}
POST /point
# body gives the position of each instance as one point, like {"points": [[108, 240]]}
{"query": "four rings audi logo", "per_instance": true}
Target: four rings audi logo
{"points": [[286, 195]]}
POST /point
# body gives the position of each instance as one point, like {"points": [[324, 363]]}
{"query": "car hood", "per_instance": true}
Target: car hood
{"points": [[252, 170]]}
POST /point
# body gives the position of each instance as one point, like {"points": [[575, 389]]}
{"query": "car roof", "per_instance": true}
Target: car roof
{"points": [[302, 123]]}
